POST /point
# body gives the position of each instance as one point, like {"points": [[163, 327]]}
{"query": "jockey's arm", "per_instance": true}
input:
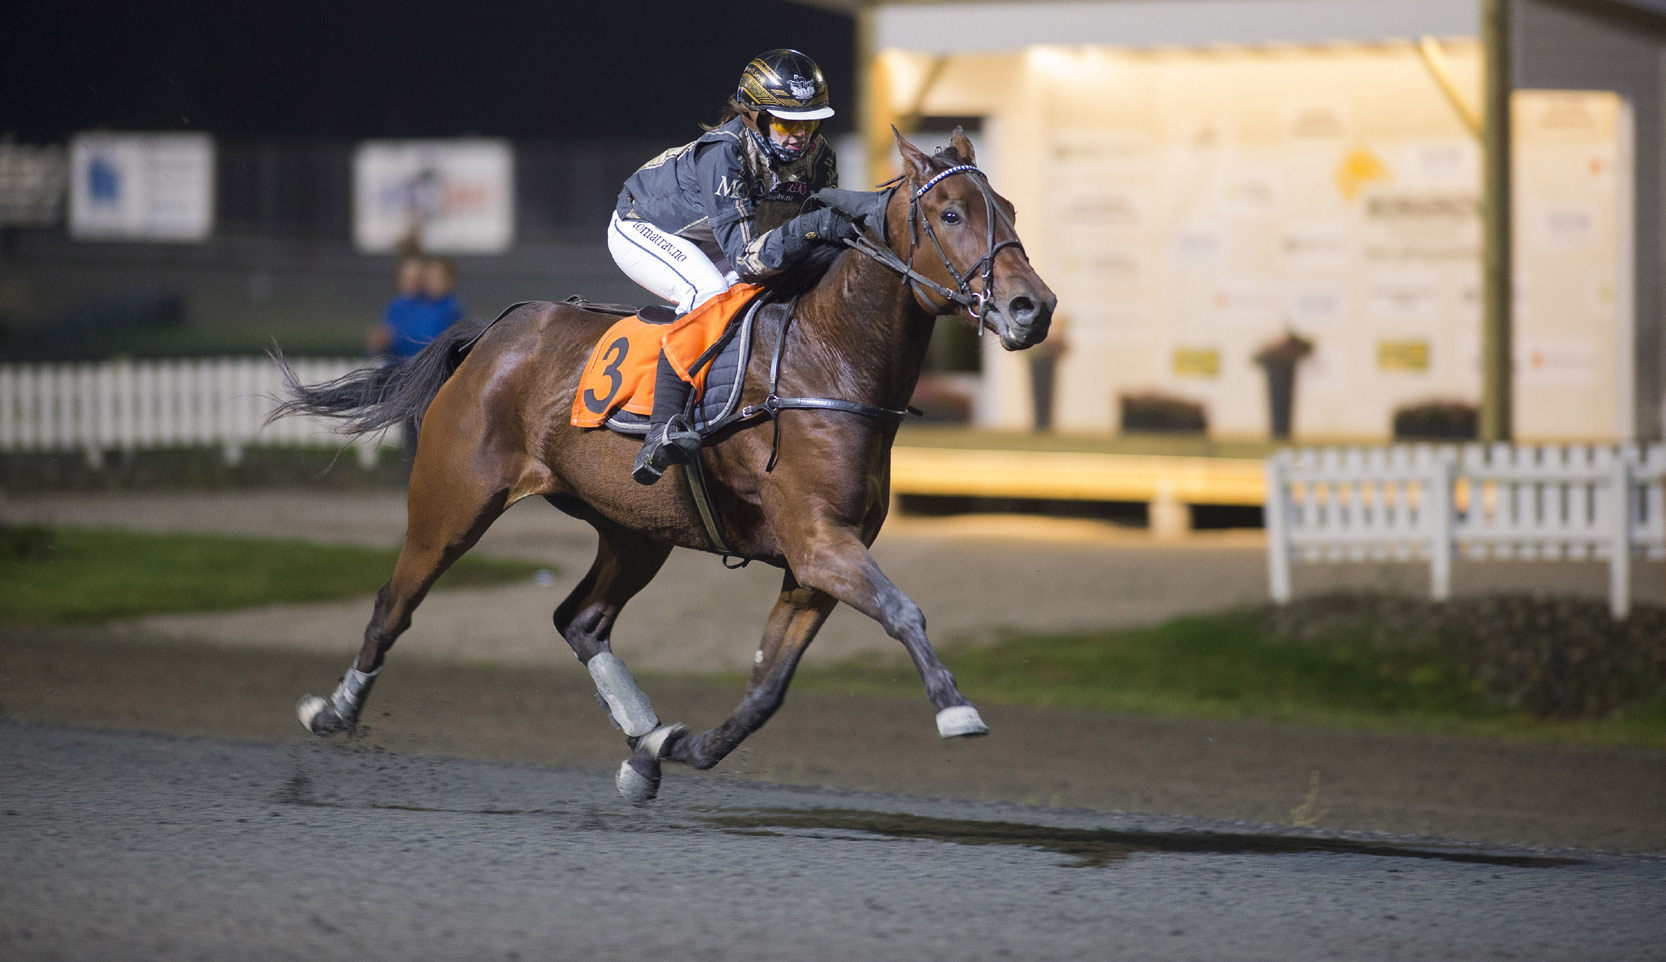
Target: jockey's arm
{"points": [[757, 257], [776, 250]]}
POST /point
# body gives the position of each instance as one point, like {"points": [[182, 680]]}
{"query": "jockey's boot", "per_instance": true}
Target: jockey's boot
{"points": [[671, 439]]}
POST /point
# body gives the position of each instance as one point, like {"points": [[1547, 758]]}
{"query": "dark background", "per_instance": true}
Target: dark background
{"points": [[584, 93], [417, 68]]}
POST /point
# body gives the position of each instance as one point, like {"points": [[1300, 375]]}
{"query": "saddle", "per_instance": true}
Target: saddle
{"points": [[705, 347]]}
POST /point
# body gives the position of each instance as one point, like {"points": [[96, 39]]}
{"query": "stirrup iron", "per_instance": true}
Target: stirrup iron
{"points": [[674, 442]]}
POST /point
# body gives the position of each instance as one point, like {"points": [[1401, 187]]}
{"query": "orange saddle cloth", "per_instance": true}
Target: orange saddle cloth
{"points": [[620, 372]]}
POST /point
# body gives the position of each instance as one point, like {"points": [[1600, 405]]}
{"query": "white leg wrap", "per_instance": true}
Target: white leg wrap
{"points": [[351, 691], [345, 701], [654, 744], [959, 721], [625, 700]]}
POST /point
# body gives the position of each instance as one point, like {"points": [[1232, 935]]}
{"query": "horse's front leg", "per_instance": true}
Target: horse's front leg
{"points": [[833, 559], [798, 614]]}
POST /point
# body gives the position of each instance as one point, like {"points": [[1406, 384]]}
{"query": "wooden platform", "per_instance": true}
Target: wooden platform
{"points": [[1169, 484]]}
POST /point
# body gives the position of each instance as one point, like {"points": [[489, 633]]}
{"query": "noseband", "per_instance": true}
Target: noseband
{"points": [[983, 268]]}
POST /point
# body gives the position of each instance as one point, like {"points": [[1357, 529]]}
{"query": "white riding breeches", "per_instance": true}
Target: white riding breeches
{"points": [[668, 266]]}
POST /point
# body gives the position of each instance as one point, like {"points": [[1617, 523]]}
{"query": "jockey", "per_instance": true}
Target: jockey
{"points": [[725, 208]]}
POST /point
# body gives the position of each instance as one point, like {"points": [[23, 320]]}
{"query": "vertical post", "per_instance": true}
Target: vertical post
{"points": [[1496, 293], [1437, 500], [1278, 531], [1619, 533], [873, 101], [1168, 517]]}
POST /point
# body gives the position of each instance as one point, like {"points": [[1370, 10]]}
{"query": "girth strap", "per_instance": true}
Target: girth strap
{"points": [[706, 506], [774, 404]]}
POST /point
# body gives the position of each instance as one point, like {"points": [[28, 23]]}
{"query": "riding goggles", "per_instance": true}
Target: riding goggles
{"points": [[787, 128]]}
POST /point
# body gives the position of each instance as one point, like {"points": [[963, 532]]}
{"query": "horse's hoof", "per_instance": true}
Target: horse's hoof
{"points": [[319, 716], [961, 721], [638, 777], [638, 781]]}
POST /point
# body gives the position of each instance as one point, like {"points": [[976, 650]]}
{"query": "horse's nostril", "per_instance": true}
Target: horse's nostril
{"points": [[1020, 308]]}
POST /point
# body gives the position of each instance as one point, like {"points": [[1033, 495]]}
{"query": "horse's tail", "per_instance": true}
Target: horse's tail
{"points": [[373, 398]]}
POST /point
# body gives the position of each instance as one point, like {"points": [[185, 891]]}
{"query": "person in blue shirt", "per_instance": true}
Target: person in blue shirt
{"points": [[425, 305]]}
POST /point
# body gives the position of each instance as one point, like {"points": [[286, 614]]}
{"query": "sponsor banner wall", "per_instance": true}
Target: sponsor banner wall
{"points": [[141, 187], [1189, 207], [455, 196]]}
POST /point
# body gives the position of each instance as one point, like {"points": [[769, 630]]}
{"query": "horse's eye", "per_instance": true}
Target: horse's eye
{"points": [[951, 217]]}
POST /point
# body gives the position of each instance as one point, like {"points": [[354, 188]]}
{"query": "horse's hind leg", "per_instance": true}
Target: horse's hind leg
{"points": [[797, 616], [625, 563], [447, 512]]}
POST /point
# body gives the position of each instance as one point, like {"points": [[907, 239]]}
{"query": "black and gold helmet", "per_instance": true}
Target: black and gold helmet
{"points": [[785, 83]]}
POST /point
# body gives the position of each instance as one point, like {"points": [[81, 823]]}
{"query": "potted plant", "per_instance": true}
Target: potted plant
{"points": [[1279, 359], [1160, 413], [1436, 420]]}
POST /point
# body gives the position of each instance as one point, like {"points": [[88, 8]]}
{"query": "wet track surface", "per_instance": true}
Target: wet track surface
{"points": [[121, 845], [137, 846]]}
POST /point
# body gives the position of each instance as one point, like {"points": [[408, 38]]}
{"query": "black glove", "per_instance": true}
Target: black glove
{"points": [[826, 225]]}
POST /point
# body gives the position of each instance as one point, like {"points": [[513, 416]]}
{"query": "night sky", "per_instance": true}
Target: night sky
{"points": [[416, 68]]}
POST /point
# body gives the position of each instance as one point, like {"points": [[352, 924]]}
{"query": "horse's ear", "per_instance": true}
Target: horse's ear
{"points": [[962, 145], [915, 164]]}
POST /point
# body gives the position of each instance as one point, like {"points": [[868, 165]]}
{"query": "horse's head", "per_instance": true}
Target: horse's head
{"points": [[956, 232]]}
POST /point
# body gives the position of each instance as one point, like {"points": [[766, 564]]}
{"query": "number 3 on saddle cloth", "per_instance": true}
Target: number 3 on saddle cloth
{"points": [[706, 347]]}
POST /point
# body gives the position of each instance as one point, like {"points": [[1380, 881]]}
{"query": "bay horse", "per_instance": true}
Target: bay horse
{"points": [[494, 402]]}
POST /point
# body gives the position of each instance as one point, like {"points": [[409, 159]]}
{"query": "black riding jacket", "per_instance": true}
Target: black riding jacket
{"points": [[722, 192]]}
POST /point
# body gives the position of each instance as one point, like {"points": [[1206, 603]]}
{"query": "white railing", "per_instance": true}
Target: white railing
{"points": [[1434, 503], [102, 406]]}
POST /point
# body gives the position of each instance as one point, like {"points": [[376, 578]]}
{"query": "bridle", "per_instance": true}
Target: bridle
{"points": [[983, 268]]}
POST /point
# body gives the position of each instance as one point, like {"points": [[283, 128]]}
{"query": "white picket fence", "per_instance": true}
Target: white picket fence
{"points": [[98, 407], [1435, 503]]}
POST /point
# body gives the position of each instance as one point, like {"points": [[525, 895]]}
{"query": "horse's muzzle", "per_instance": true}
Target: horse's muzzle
{"points": [[1022, 320]]}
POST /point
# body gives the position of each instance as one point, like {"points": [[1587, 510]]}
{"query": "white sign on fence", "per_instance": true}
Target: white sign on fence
{"points": [[457, 196], [143, 187]]}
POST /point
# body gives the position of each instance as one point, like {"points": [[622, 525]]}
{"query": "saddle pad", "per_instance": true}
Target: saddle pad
{"points": [[620, 373], [724, 377]]}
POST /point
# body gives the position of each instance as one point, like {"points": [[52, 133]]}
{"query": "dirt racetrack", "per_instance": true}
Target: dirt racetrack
{"points": [[492, 681]]}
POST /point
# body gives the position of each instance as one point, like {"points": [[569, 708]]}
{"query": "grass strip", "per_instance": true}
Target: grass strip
{"points": [[80, 576], [1228, 666]]}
